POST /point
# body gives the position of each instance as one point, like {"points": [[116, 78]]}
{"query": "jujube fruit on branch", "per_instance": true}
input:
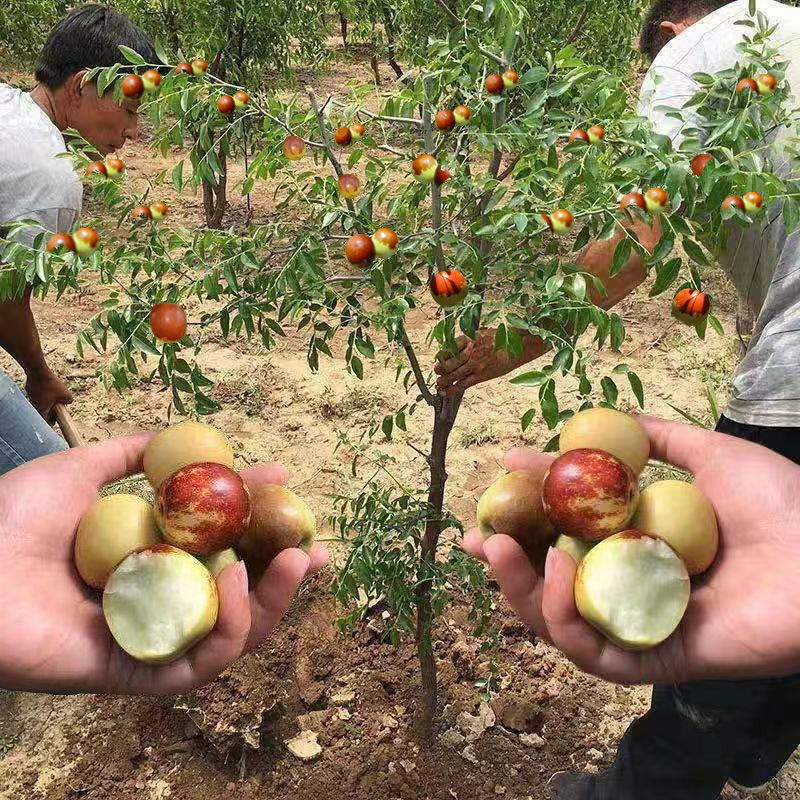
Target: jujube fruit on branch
{"points": [[60, 240], [86, 241], [746, 83], [151, 80], [461, 115], [199, 66], [385, 241], [360, 250], [159, 602], [579, 135], [424, 168], [560, 221], [753, 202], [448, 287], [343, 136], [633, 199], [183, 444], [357, 130], [510, 79], [97, 168], [590, 494], [733, 200], [132, 87], [691, 307], [445, 120], [168, 322], [184, 68], [512, 505], [657, 201], [766, 84], [294, 148], [596, 134], [159, 209], [203, 508], [225, 104], [349, 185], [494, 84], [241, 99], [441, 175], [141, 213], [114, 167], [699, 163]]}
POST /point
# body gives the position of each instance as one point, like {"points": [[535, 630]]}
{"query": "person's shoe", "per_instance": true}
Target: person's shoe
{"points": [[571, 786], [759, 768]]}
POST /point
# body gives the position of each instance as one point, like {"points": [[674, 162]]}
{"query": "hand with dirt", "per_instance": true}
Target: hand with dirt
{"points": [[743, 619], [53, 636], [45, 390], [477, 361]]}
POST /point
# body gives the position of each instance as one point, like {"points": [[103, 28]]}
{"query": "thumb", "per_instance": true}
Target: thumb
{"points": [[684, 446]]}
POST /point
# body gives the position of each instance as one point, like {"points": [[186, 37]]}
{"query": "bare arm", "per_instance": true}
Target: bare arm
{"points": [[477, 360], [19, 337]]}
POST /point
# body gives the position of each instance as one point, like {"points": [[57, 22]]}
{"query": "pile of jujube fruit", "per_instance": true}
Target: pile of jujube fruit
{"points": [[636, 551]]}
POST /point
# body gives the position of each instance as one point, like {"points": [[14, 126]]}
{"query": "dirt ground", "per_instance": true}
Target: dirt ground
{"points": [[359, 694]]}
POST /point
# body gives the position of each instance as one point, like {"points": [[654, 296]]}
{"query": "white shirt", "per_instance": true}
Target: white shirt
{"points": [[763, 262], [33, 183]]}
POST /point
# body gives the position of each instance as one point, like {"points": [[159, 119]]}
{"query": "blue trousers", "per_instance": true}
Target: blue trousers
{"points": [[24, 435]]}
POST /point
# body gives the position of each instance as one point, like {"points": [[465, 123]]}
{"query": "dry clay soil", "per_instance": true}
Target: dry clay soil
{"points": [[359, 694]]}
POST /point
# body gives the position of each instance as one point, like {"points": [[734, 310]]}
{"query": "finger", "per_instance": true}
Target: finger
{"points": [[457, 376], [275, 591], [226, 642], [527, 459], [568, 631], [270, 473], [318, 559], [472, 543], [685, 446], [462, 342], [448, 365], [111, 460], [518, 580]]}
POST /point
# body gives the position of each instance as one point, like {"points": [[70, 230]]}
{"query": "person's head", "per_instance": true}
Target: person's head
{"points": [[667, 18], [90, 37]]}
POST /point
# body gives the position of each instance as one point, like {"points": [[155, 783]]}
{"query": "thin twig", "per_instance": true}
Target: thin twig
{"points": [[578, 29], [499, 60], [415, 367], [421, 452], [450, 13], [436, 195]]}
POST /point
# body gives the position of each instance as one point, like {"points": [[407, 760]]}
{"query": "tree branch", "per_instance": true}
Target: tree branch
{"points": [[499, 60], [578, 29], [415, 367], [454, 18], [416, 449]]}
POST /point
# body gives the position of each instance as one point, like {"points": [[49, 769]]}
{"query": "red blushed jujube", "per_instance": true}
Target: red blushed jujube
{"points": [[590, 494], [168, 322], [59, 240], [203, 508], [360, 250], [294, 148]]}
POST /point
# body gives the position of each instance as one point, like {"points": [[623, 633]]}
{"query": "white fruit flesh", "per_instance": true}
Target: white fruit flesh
{"points": [[634, 589], [681, 515], [159, 602]]}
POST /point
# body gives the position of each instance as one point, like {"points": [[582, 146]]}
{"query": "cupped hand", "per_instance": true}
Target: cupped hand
{"points": [[45, 391], [743, 618], [53, 636]]}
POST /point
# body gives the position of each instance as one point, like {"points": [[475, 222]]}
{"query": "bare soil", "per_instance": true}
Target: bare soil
{"points": [[227, 740]]}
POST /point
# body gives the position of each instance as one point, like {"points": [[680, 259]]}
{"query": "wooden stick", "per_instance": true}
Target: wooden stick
{"points": [[71, 433]]}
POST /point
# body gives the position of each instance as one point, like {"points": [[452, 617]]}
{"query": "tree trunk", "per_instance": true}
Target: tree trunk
{"points": [[215, 200], [388, 26], [444, 419], [343, 26]]}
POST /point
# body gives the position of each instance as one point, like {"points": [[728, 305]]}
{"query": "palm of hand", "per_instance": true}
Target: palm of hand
{"points": [[53, 634]]}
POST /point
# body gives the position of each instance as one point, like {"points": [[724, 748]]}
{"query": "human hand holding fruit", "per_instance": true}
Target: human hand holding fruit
{"points": [[53, 636], [742, 619]]}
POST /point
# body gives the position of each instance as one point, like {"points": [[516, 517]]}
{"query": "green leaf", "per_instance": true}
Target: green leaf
{"points": [[667, 275], [387, 426], [610, 391], [358, 367], [177, 176], [636, 386], [131, 55], [621, 256], [694, 251], [535, 378], [527, 418]]}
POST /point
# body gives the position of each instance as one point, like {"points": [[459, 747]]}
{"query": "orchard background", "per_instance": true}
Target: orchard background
{"points": [[360, 694]]}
